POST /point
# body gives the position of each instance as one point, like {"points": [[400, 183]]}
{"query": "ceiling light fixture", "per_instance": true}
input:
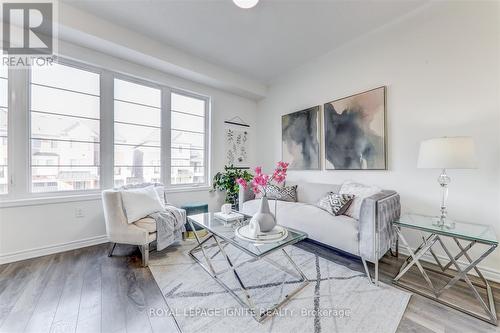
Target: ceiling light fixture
{"points": [[245, 4]]}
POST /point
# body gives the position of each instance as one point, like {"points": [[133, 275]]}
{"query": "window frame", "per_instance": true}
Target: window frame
{"points": [[149, 84], [29, 181], [10, 123], [207, 143]]}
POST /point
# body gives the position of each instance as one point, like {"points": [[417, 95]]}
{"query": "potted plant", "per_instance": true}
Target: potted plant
{"points": [[226, 181]]}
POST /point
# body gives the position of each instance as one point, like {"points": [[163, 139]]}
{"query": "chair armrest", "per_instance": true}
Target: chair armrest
{"points": [[117, 228], [375, 224], [245, 194]]}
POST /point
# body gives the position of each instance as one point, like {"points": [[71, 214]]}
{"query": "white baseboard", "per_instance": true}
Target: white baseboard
{"points": [[489, 273], [51, 249]]}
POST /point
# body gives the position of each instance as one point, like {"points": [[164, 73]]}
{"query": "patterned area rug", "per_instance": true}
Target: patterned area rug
{"points": [[337, 299]]}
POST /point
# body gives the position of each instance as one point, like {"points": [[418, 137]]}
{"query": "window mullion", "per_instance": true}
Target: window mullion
{"points": [[107, 130], [18, 133], [208, 142], [166, 137]]}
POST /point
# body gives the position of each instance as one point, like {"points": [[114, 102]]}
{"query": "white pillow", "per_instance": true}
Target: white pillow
{"points": [[140, 202], [360, 192], [161, 194]]}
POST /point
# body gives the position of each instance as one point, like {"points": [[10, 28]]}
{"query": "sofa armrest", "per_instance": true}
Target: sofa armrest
{"points": [[245, 194], [375, 224]]}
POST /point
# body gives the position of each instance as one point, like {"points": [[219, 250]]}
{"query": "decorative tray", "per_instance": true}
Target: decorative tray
{"points": [[277, 234]]}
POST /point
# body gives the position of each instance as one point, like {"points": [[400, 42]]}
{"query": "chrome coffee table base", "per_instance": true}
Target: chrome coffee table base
{"points": [[487, 305], [247, 301]]}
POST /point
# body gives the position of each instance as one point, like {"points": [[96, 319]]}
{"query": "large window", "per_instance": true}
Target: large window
{"points": [[137, 133], [4, 103], [80, 128], [188, 139], [65, 125]]}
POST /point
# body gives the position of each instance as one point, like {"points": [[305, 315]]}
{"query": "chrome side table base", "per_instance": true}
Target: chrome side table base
{"points": [[247, 301], [460, 273]]}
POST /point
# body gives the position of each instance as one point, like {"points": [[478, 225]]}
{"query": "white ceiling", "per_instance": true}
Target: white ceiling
{"points": [[260, 43]]}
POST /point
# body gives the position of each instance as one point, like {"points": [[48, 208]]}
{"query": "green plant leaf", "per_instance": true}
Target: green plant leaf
{"points": [[226, 181]]}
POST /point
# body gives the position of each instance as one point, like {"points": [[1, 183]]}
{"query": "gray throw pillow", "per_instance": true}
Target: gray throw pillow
{"points": [[335, 203], [285, 193]]}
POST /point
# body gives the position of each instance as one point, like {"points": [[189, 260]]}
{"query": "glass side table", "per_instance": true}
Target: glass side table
{"points": [[465, 236]]}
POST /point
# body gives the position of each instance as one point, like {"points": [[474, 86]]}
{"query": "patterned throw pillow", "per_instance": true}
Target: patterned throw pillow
{"points": [[285, 193], [335, 203]]}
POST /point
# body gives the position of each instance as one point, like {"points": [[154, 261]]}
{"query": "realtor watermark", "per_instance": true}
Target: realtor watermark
{"points": [[29, 32], [245, 312]]}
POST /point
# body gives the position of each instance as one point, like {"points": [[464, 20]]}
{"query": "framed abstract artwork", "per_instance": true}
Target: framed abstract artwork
{"points": [[355, 132], [300, 139]]}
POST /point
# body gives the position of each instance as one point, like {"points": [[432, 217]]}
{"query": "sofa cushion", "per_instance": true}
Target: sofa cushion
{"points": [[340, 231], [160, 189], [140, 202], [284, 193], [147, 223], [335, 203], [360, 192], [311, 192]]}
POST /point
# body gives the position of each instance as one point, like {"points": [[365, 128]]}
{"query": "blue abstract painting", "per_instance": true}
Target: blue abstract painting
{"points": [[355, 136], [300, 139]]}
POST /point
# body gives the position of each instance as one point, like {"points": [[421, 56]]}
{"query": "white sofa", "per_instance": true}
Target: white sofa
{"points": [[370, 237]]}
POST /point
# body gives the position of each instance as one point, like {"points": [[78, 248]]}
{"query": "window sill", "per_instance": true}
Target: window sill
{"points": [[94, 196], [188, 189], [47, 200]]}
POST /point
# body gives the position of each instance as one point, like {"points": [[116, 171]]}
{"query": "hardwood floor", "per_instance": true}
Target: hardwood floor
{"points": [[85, 291], [81, 291]]}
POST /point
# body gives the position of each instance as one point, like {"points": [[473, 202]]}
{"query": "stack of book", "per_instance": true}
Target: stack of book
{"points": [[231, 217]]}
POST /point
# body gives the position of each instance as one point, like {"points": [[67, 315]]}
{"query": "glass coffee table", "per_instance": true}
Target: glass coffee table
{"points": [[464, 236], [223, 233]]}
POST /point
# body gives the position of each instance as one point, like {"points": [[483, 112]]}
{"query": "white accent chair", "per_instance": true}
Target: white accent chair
{"points": [[141, 232]]}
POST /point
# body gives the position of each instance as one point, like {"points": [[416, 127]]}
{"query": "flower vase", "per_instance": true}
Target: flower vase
{"points": [[263, 220]]}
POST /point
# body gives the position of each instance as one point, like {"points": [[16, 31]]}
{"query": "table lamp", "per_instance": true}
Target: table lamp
{"points": [[446, 153]]}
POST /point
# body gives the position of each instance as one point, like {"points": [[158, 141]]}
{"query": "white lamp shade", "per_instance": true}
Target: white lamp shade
{"points": [[447, 153], [246, 4]]}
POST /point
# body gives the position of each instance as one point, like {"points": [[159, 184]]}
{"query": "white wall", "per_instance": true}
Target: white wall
{"points": [[38, 229], [441, 66]]}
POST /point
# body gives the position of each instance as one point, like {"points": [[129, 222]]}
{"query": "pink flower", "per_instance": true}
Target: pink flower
{"points": [[279, 174], [283, 165], [242, 182], [280, 178], [260, 179]]}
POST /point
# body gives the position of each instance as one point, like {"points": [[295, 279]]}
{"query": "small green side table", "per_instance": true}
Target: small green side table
{"points": [[194, 208]]}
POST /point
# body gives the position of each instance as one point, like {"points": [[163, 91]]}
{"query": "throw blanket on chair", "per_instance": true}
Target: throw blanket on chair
{"points": [[170, 223]]}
